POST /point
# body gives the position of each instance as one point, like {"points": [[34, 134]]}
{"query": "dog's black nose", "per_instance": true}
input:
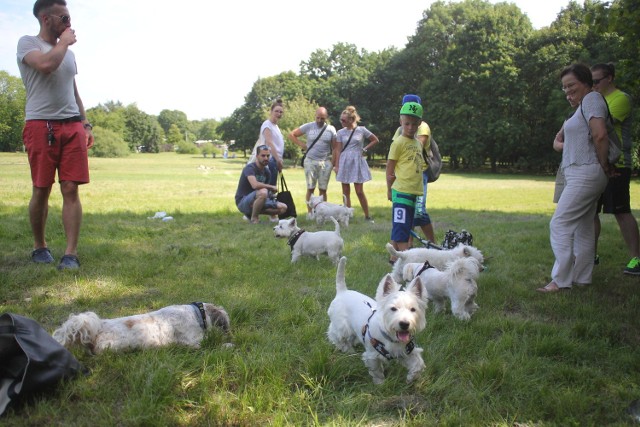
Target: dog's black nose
{"points": [[404, 326]]}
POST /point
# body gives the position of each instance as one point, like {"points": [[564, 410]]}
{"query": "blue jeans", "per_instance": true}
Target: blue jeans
{"points": [[273, 168]]}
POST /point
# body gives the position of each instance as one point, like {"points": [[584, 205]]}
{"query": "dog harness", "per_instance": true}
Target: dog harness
{"points": [[200, 314], [425, 266], [292, 241], [379, 345], [316, 205]]}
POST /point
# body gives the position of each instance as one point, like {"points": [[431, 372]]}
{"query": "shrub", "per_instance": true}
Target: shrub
{"points": [[185, 147], [108, 144]]}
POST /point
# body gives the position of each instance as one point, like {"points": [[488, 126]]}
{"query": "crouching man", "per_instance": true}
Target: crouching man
{"points": [[254, 195]]}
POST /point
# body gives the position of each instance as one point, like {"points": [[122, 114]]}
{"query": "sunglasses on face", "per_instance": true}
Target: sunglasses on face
{"points": [[65, 19], [597, 81]]}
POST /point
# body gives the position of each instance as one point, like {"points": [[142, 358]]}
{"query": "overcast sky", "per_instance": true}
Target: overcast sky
{"points": [[202, 57]]}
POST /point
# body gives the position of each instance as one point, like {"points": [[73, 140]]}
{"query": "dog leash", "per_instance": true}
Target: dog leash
{"points": [[292, 241], [199, 307]]}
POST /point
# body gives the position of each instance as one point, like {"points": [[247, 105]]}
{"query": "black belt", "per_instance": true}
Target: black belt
{"points": [[67, 120]]}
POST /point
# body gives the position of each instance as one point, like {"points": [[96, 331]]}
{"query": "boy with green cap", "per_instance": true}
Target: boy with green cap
{"points": [[405, 165]]}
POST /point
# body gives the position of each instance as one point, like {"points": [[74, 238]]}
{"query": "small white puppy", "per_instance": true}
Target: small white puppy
{"points": [[436, 257], [304, 242], [458, 283], [386, 326], [322, 211], [175, 324]]}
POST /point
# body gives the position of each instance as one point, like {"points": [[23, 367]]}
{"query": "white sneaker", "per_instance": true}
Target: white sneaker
{"points": [[274, 218], [244, 218]]}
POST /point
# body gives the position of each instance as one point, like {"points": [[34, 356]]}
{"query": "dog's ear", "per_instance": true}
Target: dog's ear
{"points": [[417, 288], [218, 317], [292, 221], [386, 286]]}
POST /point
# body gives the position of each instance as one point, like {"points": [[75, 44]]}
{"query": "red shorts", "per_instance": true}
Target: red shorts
{"points": [[67, 154]]}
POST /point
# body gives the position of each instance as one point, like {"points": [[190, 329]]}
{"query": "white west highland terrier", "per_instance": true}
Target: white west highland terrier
{"points": [[386, 326], [322, 211], [457, 283], [304, 242], [436, 257], [175, 324]]}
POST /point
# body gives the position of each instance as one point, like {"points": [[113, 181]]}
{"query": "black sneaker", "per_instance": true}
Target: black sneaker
{"points": [[596, 260], [369, 219], [42, 256], [69, 262]]}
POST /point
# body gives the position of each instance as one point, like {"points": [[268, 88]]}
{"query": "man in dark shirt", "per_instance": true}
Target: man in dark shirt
{"points": [[254, 195]]}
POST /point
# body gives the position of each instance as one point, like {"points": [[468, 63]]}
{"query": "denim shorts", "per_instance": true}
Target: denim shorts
{"points": [[402, 213], [246, 204]]}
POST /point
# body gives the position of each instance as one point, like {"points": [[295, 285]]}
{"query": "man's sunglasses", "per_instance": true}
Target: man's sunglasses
{"points": [[64, 18]]}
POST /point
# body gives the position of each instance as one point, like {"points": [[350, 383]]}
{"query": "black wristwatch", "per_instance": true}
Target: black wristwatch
{"points": [[88, 125]]}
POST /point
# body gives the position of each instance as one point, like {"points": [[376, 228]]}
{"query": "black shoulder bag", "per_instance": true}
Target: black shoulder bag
{"points": [[284, 196], [312, 144], [30, 359]]}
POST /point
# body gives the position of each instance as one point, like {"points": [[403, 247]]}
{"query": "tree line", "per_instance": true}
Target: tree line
{"points": [[489, 83]]}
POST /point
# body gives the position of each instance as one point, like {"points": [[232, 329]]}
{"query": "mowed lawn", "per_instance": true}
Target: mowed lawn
{"points": [[523, 359]]}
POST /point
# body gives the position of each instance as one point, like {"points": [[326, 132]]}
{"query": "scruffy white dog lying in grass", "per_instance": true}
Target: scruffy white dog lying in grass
{"points": [[322, 211], [457, 283], [436, 257], [309, 243], [175, 324], [386, 326]]}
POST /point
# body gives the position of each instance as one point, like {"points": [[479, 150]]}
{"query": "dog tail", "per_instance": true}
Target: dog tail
{"points": [[393, 252], [337, 224], [341, 284], [79, 329]]}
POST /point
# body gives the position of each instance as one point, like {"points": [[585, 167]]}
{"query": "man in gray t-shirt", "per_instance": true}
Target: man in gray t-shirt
{"points": [[57, 133], [320, 144]]}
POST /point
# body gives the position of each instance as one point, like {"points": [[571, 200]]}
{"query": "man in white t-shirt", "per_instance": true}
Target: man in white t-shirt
{"points": [[319, 147]]}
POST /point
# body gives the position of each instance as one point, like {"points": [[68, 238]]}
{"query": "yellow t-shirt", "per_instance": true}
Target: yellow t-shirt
{"points": [[407, 153], [423, 130]]}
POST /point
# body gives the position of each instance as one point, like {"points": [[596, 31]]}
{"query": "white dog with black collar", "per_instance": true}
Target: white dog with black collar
{"points": [[175, 324], [385, 326], [309, 243]]}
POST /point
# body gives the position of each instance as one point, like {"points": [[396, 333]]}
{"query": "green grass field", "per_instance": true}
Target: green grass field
{"points": [[524, 359]]}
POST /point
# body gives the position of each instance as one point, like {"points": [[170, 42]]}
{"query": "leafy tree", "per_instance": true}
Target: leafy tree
{"points": [[298, 111], [206, 129], [244, 124], [166, 118], [12, 105], [142, 130], [175, 136]]}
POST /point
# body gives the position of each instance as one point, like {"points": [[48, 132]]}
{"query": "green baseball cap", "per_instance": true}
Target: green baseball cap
{"points": [[411, 109]]}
